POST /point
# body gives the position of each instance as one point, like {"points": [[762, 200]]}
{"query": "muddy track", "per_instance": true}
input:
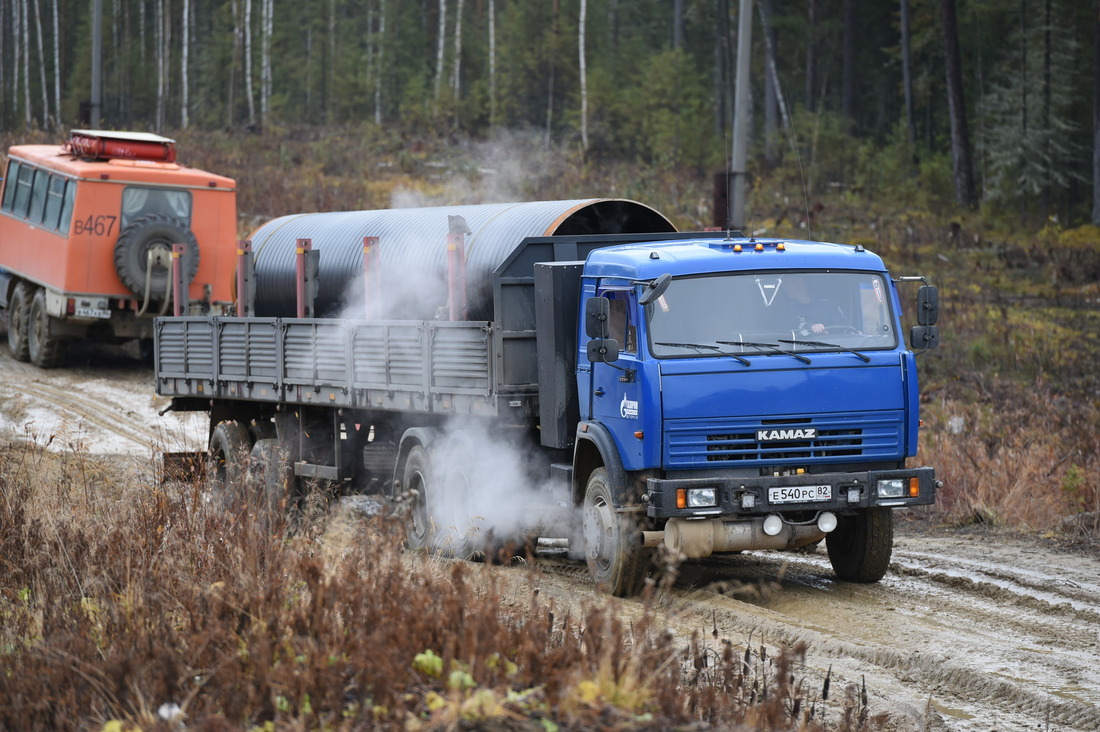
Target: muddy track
{"points": [[963, 634], [966, 632]]}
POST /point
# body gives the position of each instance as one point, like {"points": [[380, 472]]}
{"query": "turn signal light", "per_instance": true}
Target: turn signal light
{"points": [[914, 487], [681, 498]]}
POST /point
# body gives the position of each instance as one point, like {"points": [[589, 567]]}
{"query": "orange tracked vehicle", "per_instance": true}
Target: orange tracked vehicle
{"points": [[86, 236]]}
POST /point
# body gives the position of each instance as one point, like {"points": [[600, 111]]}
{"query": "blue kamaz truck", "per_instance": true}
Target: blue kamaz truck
{"points": [[571, 369]]}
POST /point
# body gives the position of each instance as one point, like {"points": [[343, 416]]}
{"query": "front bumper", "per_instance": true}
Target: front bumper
{"points": [[739, 496]]}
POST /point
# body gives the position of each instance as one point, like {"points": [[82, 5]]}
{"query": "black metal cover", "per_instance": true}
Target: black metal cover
{"points": [[413, 245]]}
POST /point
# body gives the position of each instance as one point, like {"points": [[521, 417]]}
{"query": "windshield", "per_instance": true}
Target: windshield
{"points": [[753, 313]]}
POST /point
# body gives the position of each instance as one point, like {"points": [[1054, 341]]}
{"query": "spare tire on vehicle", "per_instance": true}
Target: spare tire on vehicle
{"points": [[147, 233]]}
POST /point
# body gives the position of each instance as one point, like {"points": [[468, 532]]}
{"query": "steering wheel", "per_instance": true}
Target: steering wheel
{"points": [[842, 328]]}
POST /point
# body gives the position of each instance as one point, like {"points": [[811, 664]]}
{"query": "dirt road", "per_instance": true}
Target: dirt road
{"points": [[967, 632]]}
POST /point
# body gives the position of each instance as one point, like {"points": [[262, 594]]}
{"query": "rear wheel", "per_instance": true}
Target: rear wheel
{"points": [[19, 309], [860, 546], [272, 473], [613, 547], [229, 451], [45, 349], [439, 518]]}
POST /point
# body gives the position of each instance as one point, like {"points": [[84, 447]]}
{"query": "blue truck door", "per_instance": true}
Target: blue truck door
{"points": [[616, 388]]}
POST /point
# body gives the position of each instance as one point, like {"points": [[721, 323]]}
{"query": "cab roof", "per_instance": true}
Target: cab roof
{"points": [[710, 255], [59, 158]]}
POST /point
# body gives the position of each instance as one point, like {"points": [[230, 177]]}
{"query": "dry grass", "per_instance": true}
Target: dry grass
{"points": [[118, 597]]}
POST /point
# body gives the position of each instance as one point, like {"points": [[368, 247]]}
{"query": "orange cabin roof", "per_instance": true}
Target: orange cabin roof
{"points": [[58, 157]]}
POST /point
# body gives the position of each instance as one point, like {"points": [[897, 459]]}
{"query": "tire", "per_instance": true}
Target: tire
{"points": [[229, 453], [432, 523], [419, 527], [617, 561], [45, 350], [272, 474], [150, 232], [19, 309], [860, 546]]}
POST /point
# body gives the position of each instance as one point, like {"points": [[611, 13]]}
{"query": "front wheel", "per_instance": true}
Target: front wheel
{"points": [[860, 546], [613, 547]]}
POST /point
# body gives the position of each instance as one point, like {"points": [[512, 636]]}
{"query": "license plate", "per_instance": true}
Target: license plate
{"points": [[92, 313], [800, 494]]}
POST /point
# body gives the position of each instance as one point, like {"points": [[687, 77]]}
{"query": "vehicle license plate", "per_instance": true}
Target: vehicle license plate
{"points": [[92, 313], [800, 494]]}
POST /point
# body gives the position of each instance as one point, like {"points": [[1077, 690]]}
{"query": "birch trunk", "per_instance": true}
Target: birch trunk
{"points": [[185, 118], [56, 66], [439, 53], [456, 75], [25, 40], [381, 58], [492, 63], [330, 77], [42, 65], [158, 40], [907, 74], [584, 76], [248, 91], [265, 62]]}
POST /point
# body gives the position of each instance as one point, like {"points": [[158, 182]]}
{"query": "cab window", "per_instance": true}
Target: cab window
{"points": [[621, 320], [138, 202]]}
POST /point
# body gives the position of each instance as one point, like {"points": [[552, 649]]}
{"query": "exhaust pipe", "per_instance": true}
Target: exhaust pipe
{"points": [[700, 538]]}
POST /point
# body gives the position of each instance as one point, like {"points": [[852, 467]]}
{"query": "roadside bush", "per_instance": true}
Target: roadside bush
{"points": [[153, 606]]}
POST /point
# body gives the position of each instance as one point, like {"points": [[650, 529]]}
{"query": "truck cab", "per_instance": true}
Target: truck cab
{"points": [[744, 394]]}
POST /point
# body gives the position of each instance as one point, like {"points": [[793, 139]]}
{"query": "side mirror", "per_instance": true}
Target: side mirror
{"points": [[928, 305], [603, 350], [655, 289], [923, 337], [597, 314]]}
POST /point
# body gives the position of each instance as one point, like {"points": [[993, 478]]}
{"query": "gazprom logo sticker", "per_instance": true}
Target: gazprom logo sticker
{"points": [[628, 409]]}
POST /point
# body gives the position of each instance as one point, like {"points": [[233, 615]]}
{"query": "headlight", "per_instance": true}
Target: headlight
{"points": [[702, 497], [891, 488]]}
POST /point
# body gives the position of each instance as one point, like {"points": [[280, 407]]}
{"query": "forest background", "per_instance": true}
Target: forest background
{"points": [[955, 138]]}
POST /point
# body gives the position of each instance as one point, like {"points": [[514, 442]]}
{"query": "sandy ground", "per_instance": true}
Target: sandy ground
{"points": [[967, 632]]}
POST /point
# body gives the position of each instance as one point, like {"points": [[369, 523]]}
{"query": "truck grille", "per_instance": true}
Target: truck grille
{"points": [[840, 437]]}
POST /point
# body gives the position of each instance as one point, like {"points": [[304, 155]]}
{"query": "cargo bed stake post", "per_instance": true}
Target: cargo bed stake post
{"points": [[246, 290], [179, 291], [372, 274], [456, 266], [307, 261]]}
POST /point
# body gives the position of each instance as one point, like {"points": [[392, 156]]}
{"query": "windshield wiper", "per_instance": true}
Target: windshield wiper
{"points": [[698, 346], [772, 346], [822, 344]]}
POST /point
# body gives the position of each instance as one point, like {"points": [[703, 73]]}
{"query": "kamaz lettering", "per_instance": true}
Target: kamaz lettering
{"points": [[807, 433]]}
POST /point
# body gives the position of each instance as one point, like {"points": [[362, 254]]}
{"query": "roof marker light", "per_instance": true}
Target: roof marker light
{"points": [[736, 247], [781, 247], [759, 247]]}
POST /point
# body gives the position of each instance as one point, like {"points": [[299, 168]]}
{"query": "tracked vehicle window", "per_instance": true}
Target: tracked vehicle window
{"points": [[138, 202], [67, 208], [10, 185], [54, 200], [38, 197], [23, 190]]}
